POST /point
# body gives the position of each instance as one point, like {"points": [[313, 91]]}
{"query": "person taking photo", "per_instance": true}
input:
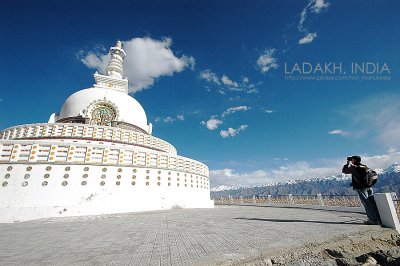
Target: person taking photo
{"points": [[361, 177]]}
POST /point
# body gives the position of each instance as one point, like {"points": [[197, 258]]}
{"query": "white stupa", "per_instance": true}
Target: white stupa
{"points": [[97, 156]]}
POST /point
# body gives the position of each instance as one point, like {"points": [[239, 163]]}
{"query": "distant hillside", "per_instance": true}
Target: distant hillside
{"points": [[388, 181]]}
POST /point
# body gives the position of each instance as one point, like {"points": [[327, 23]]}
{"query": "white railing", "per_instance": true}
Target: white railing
{"points": [[85, 153], [319, 199], [290, 199], [84, 131]]}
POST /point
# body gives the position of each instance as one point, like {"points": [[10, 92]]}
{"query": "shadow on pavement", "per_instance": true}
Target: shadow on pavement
{"points": [[303, 207], [296, 221]]}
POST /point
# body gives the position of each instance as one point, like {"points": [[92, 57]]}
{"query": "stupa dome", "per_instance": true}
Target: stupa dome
{"points": [[121, 106]]}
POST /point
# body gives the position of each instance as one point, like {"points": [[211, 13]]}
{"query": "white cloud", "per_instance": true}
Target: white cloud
{"points": [[227, 133], [230, 177], [313, 6], [303, 16], [209, 76], [212, 123], [303, 170], [338, 132], [235, 109], [308, 38], [147, 59], [96, 61], [252, 91], [226, 81], [381, 161], [224, 84], [296, 171], [281, 159], [319, 5], [267, 61], [268, 111], [168, 119], [1, 100], [231, 132]]}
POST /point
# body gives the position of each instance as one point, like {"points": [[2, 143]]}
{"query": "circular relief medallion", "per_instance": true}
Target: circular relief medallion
{"points": [[103, 115]]}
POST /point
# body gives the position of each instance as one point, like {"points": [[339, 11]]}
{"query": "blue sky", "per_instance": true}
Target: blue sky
{"points": [[214, 83]]}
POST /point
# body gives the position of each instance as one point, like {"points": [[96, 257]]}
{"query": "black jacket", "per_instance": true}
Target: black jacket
{"points": [[357, 175]]}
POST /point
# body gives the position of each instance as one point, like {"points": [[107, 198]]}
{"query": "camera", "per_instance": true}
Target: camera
{"points": [[356, 158]]}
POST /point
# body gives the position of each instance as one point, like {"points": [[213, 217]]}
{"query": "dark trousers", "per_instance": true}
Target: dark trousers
{"points": [[367, 199]]}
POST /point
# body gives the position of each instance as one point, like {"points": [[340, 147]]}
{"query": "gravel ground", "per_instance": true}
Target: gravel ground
{"points": [[379, 246]]}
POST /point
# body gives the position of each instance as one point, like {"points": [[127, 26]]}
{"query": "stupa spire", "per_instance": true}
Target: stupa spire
{"points": [[115, 68], [113, 78]]}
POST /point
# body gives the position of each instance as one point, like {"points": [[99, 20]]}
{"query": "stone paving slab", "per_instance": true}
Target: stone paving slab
{"points": [[171, 237]]}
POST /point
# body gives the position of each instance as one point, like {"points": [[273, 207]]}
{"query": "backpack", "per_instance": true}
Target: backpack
{"points": [[368, 177]]}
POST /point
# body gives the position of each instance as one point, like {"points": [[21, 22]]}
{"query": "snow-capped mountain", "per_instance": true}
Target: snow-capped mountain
{"points": [[227, 187], [339, 177], [388, 181], [394, 168]]}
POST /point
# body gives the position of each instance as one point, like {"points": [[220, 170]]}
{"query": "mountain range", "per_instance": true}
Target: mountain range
{"points": [[388, 181]]}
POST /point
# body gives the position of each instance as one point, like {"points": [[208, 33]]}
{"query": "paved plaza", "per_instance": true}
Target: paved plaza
{"points": [[170, 237]]}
